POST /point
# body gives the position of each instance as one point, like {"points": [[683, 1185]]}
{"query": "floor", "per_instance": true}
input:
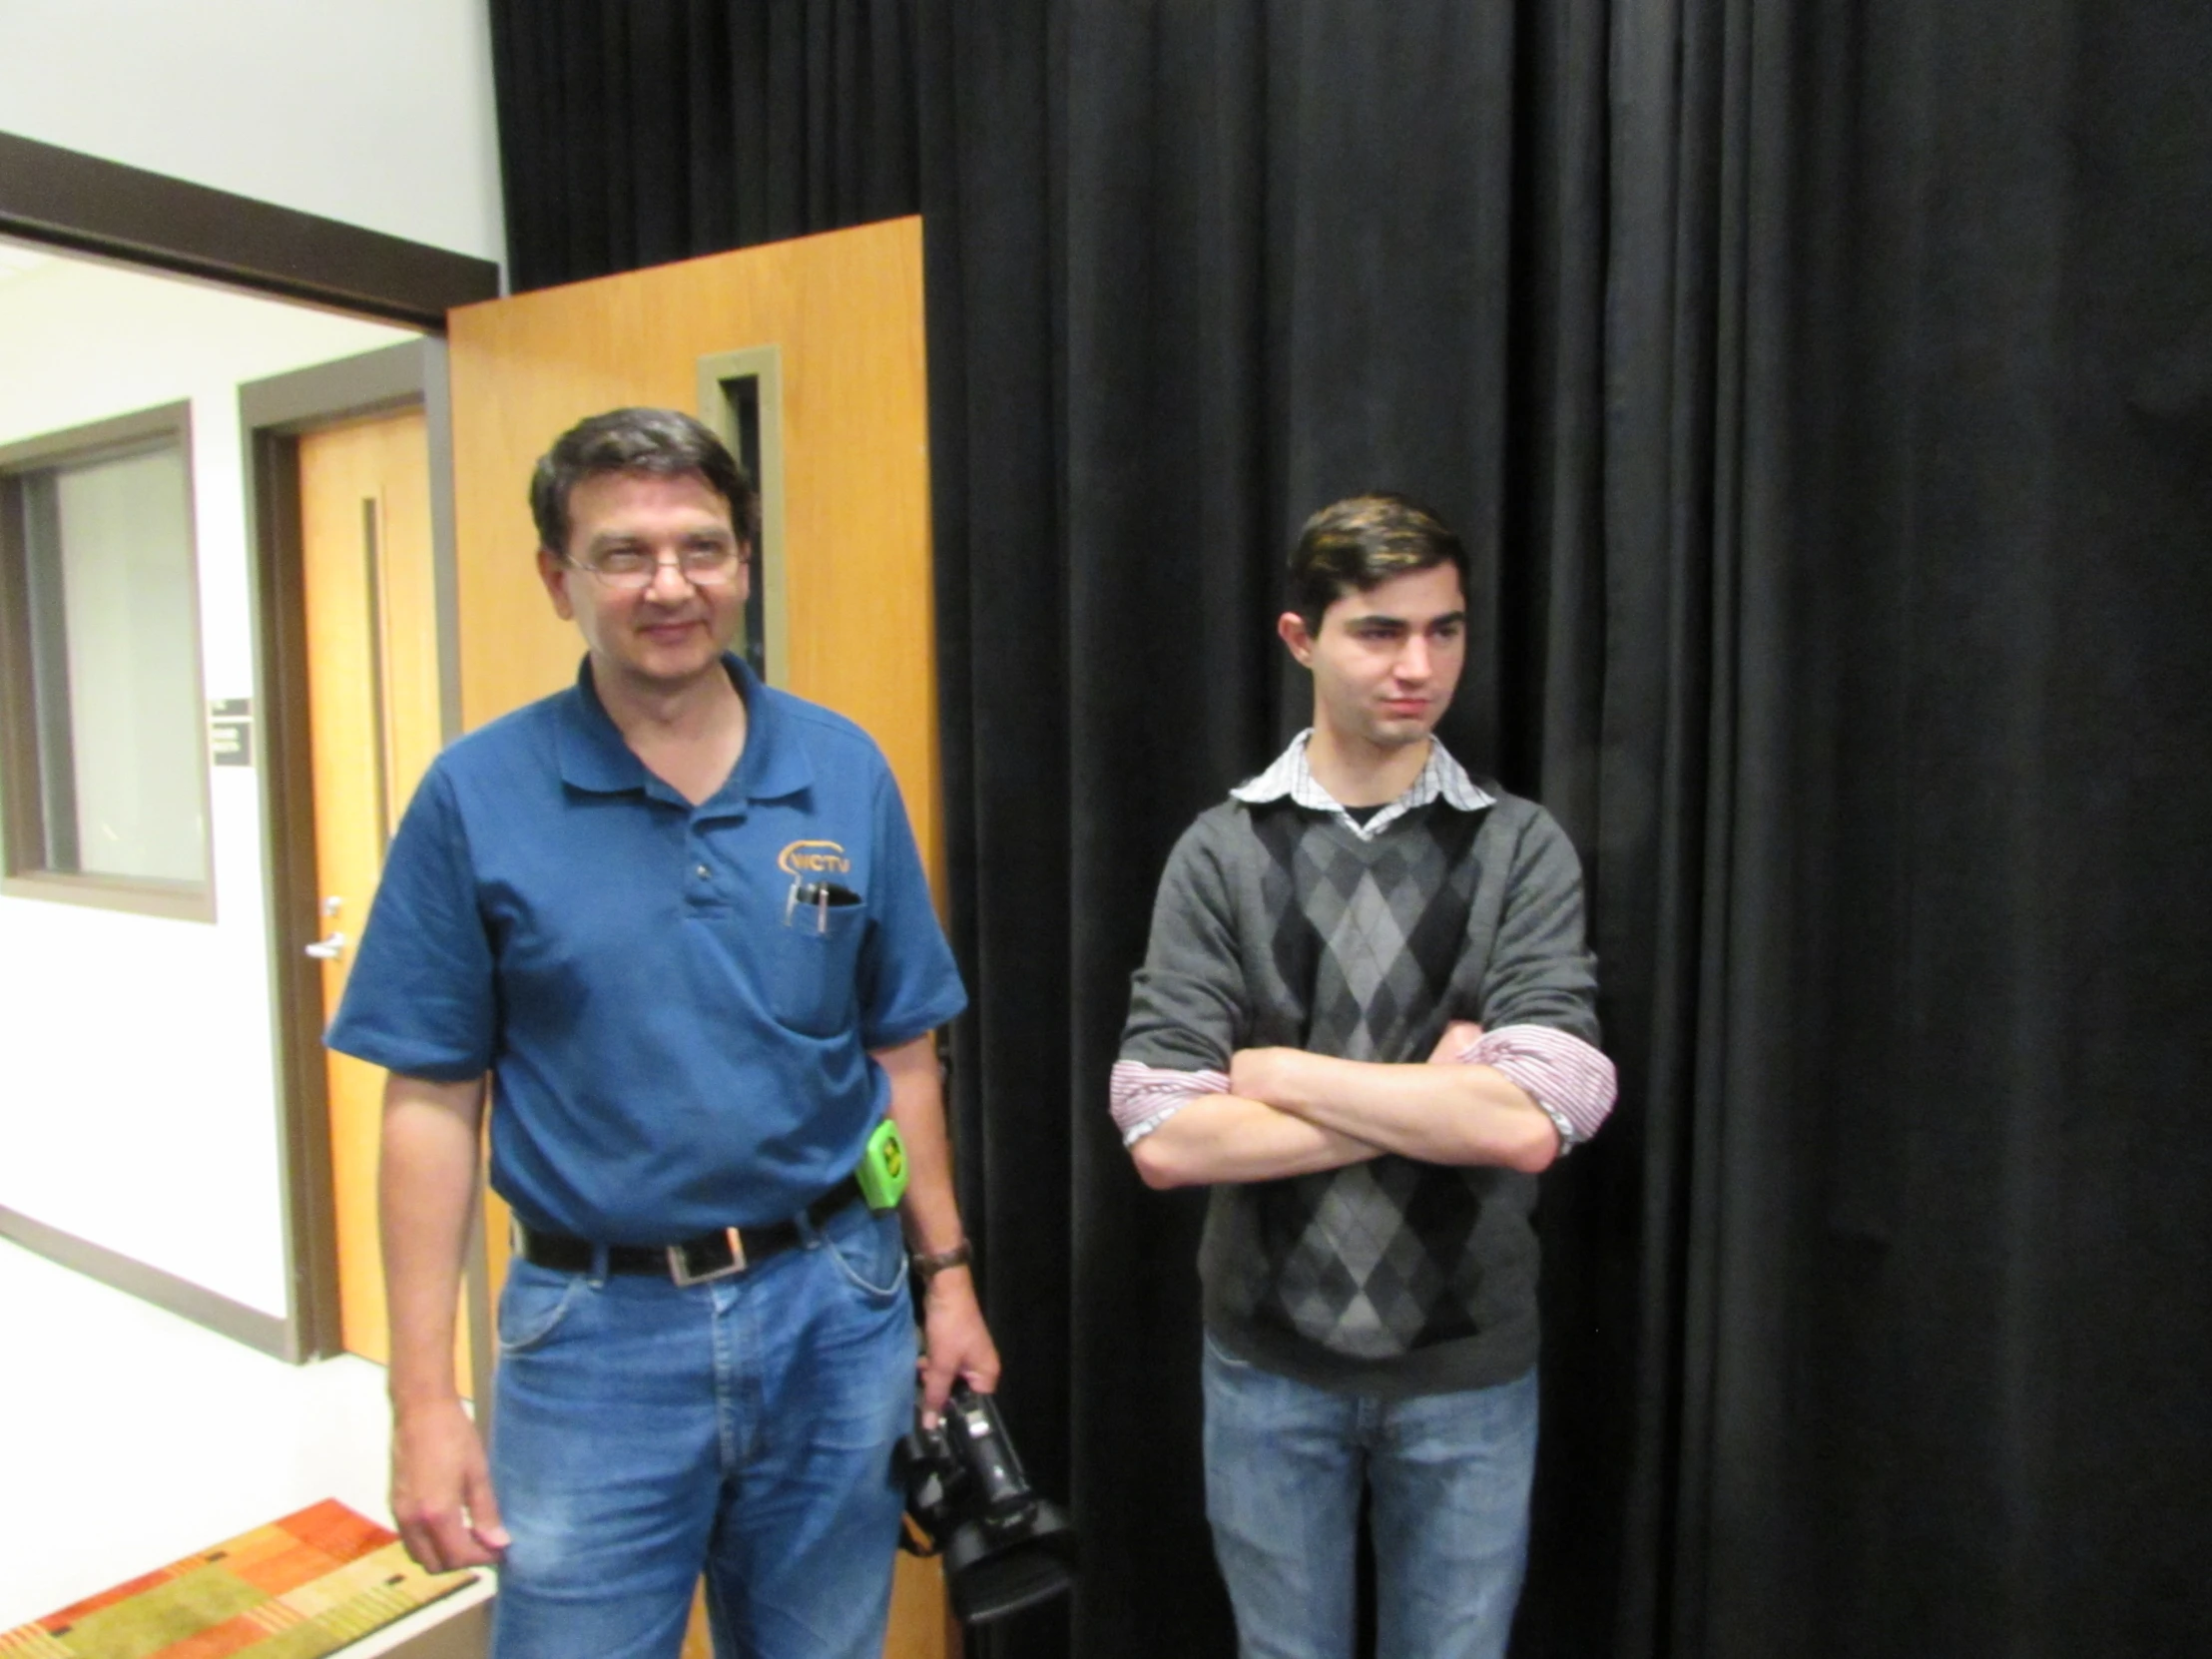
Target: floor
{"points": [[130, 1436]]}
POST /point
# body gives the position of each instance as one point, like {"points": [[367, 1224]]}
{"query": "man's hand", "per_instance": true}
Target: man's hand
{"points": [[442, 1488], [955, 1342], [426, 1187]]}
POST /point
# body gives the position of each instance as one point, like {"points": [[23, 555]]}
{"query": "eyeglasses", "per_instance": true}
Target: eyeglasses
{"points": [[633, 570]]}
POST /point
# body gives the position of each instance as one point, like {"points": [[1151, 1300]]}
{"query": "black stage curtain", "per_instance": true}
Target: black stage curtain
{"points": [[1827, 392], [636, 134]]}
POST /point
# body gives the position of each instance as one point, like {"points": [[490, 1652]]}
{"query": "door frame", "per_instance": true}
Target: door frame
{"points": [[107, 209], [91, 207], [274, 415]]}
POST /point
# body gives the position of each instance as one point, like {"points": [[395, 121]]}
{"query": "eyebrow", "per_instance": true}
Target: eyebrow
{"points": [[1375, 619], [627, 538]]}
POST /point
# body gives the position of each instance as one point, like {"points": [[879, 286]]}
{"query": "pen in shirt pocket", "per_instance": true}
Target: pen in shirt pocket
{"points": [[821, 898]]}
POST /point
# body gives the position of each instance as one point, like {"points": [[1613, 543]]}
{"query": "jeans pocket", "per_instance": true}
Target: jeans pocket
{"points": [[1220, 1356], [534, 1304], [815, 964], [870, 1257]]}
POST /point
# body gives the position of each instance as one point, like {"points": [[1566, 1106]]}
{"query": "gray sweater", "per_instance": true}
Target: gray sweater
{"points": [[1275, 924]]}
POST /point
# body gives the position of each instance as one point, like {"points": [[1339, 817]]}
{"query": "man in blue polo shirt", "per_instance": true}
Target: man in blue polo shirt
{"points": [[677, 923]]}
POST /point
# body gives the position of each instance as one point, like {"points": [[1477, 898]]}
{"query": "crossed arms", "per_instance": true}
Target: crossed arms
{"points": [[1198, 1108], [1290, 1112]]}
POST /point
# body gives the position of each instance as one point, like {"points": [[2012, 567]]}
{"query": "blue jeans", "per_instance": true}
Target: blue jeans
{"points": [[1448, 1474], [643, 1433]]}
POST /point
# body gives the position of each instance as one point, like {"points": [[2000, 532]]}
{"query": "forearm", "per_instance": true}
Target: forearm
{"points": [[1439, 1114], [930, 1211], [1228, 1137], [426, 1195], [955, 1341]]}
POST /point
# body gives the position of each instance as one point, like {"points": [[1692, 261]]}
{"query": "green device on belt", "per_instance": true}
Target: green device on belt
{"points": [[882, 1169]]}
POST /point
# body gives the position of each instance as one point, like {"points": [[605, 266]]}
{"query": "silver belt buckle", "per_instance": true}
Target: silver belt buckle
{"points": [[683, 1274]]}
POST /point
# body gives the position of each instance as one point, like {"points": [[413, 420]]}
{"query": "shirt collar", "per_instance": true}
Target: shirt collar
{"points": [[1442, 779], [594, 758]]}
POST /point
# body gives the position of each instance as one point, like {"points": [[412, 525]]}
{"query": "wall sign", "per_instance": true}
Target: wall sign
{"points": [[231, 732]]}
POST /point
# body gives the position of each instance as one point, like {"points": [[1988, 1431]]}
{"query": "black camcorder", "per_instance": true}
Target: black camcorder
{"points": [[1004, 1547]]}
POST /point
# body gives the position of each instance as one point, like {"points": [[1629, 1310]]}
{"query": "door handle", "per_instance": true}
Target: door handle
{"points": [[328, 950]]}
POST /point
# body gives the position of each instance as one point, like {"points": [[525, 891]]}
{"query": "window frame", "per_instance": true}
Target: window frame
{"points": [[24, 872]]}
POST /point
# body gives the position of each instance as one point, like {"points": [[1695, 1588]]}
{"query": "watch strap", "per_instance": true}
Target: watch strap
{"points": [[931, 1262]]}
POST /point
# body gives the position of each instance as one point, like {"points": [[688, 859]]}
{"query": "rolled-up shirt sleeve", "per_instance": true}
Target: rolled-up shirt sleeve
{"points": [[1186, 1010], [1571, 1081], [1539, 991], [1144, 1097]]}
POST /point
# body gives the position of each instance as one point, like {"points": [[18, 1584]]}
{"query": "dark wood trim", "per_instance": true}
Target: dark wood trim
{"points": [[289, 879], [79, 202], [21, 806], [273, 415], [180, 1296]]}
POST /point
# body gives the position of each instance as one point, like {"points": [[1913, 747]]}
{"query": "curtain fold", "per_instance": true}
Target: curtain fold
{"points": [[636, 134], [1827, 396]]}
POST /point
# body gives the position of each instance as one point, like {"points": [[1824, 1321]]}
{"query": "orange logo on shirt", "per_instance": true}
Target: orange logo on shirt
{"points": [[812, 859]]}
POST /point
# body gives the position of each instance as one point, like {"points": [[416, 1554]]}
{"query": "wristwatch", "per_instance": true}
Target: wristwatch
{"points": [[929, 1263]]}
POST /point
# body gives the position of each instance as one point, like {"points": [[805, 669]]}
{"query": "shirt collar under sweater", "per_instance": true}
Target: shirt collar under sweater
{"points": [[1441, 776]]}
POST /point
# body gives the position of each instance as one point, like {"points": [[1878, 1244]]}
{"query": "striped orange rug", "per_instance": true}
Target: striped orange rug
{"points": [[305, 1585]]}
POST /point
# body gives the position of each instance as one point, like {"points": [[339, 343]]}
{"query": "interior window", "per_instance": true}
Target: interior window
{"points": [[104, 786]]}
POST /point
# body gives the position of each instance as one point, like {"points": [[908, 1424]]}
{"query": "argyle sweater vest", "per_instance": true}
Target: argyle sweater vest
{"points": [[1344, 1277]]}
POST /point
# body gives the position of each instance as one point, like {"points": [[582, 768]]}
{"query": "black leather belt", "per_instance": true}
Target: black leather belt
{"points": [[709, 1256]]}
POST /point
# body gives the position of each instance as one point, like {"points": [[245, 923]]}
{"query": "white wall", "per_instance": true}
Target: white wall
{"points": [[138, 1109], [138, 1106], [379, 115]]}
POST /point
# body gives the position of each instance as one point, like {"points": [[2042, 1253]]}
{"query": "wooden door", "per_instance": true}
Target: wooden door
{"points": [[373, 694], [851, 570]]}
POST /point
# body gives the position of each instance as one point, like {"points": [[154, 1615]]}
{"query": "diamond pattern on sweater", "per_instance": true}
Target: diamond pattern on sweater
{"points": [[1371, 1261], [1364, 902]]}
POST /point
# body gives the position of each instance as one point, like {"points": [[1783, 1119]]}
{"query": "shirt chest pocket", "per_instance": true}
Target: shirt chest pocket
{"points": [[814, 967]]}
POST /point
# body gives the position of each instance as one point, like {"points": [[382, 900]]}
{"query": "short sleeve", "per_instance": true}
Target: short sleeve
{"points": [[908, 983], [420, 999]]}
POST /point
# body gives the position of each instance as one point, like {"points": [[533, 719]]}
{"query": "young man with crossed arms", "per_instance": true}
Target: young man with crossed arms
{"points": [[1366, 1020]]}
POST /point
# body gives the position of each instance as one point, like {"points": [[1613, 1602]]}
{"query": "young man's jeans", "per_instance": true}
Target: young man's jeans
{"points": [[1449, 1475], [644, 1431]]}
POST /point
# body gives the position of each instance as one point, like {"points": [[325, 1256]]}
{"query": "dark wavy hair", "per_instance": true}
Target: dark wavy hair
{"points": [[665, 443], [1362, 542]]}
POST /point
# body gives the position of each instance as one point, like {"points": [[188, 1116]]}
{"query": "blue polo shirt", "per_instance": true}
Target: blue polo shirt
{"points": [[674, 1046]]}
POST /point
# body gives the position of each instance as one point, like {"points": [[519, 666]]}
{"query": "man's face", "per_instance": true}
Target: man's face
{"points": [[671, 633], [1385, 661]]}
